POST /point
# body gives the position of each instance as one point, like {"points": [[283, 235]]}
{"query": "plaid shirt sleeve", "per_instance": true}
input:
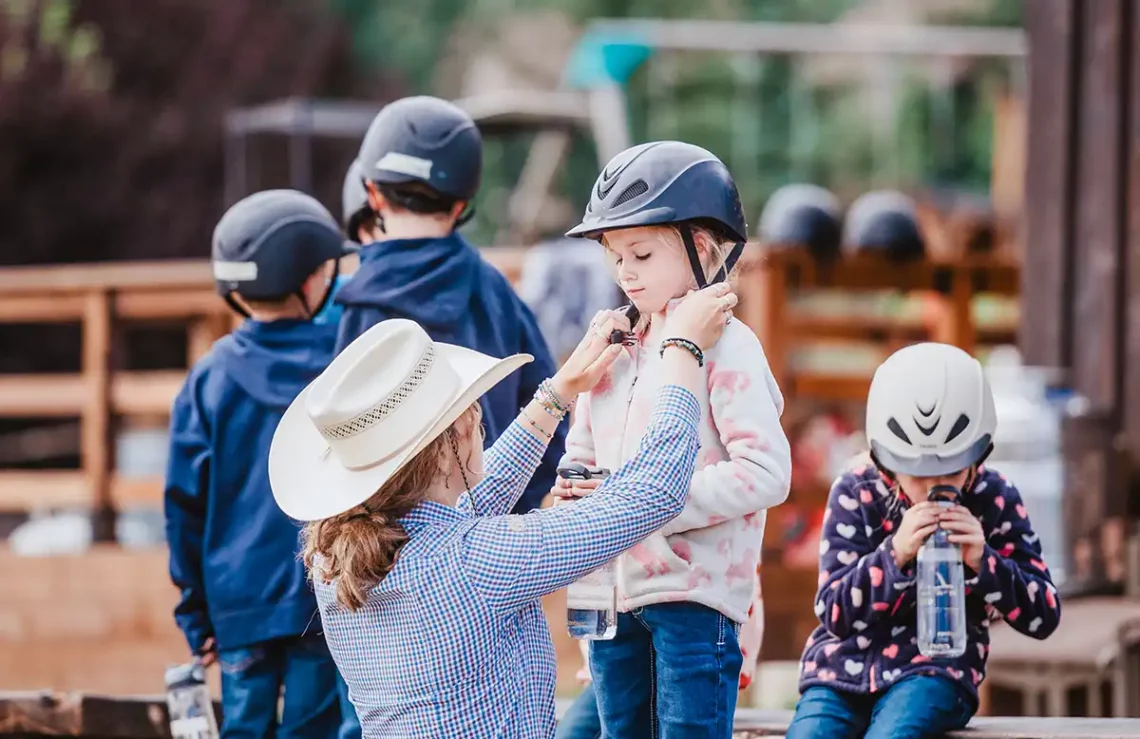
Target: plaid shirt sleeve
{"points": [[513, 560], [508, 466]]}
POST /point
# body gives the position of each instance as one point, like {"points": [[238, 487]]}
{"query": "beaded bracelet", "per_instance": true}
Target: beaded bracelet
{"points": [[550, 401], [548, 405], [688, 346]]}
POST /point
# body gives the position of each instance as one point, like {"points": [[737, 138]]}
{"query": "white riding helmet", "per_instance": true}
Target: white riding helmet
{"points": [[930, 411]]}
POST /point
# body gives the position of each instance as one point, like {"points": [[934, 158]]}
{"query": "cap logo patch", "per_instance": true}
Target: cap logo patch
{"points": [[412, 166], [235, 271]]}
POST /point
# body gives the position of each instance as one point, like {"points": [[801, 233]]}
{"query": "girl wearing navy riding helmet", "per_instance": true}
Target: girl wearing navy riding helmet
{"points": [[669, 214]]}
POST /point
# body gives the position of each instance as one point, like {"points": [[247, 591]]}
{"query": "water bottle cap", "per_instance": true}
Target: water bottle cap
{"points": [[944, 493], [184, 675]]}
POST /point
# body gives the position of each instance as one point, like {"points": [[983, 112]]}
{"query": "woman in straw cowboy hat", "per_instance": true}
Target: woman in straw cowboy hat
{"points": [[429, 592]]}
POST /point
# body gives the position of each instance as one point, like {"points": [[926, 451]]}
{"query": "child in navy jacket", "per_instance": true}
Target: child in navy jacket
{"points": [[233, 554], [930, 421], [418, 168]]}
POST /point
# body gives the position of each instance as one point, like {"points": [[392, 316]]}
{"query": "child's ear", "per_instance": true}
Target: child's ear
{"points": [[375, 199]]}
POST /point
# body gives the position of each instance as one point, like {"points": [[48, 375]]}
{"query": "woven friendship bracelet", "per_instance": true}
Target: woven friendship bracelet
{"points": [[688, 346], [524, 414]]}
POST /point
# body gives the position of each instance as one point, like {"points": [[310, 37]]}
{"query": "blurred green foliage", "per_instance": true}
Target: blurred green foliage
{"points": [[758, 114]]}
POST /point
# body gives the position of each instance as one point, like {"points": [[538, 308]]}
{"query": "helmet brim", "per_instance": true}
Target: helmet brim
{"points": [[664, 216], [592, 229], [932, 465]]}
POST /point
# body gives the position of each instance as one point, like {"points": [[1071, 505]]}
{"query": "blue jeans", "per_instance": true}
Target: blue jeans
{"points": [[254, 676], [913, 708], [672, 671], [581, 720], [350, 723]]}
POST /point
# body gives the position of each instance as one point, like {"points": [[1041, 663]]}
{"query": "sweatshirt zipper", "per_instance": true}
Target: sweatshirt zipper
{"points": [[619, 570]]}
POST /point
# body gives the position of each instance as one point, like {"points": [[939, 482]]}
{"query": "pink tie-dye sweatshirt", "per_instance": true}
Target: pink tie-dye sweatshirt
{"points": [[709, 553]]}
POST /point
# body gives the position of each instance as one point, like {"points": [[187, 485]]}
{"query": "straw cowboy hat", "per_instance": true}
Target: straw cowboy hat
{"points": [[380, 402]]}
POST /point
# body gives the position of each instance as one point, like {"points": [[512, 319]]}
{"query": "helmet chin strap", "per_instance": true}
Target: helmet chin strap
{"points": [[235, 306], [695, 258], [328, 292], [464, 217], [631, 311]]}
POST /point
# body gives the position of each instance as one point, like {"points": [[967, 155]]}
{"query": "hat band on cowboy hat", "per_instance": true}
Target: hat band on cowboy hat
{"points": [[361, 441], [380, 402]]}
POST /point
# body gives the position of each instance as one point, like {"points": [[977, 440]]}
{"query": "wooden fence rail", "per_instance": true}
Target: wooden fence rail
{"points": [[105, 298]]}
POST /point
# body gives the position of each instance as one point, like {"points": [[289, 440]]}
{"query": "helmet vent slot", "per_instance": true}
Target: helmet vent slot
{"points": [[897, 430], [639, 187], [959, 426]]}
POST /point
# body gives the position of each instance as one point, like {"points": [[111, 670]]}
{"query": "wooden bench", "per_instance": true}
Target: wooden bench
{"points": [[751, 724], [1093, 645], [145, 717]]}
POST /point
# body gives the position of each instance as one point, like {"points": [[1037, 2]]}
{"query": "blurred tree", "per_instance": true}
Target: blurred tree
{"points": [[111, 113]]}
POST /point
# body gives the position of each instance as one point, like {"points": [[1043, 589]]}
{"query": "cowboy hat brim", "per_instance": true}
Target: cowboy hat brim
{"points": [[310, 484]]}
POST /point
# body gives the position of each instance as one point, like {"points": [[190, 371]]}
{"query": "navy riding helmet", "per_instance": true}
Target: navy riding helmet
{"points": [[267, 244], [427, 140], [667, 183], [663, 183]]}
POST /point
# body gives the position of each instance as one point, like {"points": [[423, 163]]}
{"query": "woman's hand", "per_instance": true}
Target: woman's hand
{"points": [[918, 523], [566, 488], [207, 654], [966, 532], [591, 358], [700, 317]]}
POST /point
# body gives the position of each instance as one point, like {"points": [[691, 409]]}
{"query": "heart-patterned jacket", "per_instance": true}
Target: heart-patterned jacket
{"points": [[867, 637]]}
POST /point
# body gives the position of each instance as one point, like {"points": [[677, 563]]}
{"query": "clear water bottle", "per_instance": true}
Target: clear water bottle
{"points": [[591, 601], [941, 588], [188, 701]]}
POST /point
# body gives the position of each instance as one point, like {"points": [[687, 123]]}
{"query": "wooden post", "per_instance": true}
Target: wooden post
{"points": [[96, 442], [961, 309], [1045, 276], [772, 274], [1097, 274], [202, 334], [1131, 348]]}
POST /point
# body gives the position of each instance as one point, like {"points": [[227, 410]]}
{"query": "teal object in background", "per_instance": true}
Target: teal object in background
{"points": [[332, 310], [603, 58]]}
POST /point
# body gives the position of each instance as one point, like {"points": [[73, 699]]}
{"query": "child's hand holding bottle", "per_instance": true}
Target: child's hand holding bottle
{"points": [[917, 524]]}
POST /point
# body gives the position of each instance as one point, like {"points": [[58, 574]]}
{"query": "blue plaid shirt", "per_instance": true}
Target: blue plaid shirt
{"points": [[453, 642]]}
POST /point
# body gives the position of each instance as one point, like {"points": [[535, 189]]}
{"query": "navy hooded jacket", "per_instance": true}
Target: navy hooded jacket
{"points": [[233, 553], [458, 298]]}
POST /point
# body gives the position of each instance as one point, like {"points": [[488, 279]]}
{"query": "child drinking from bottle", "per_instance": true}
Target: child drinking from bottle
{"points": [[668, 214], [930, 421]]}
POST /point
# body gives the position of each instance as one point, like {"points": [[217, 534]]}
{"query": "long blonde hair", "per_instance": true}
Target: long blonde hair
{"points": [[358, 548]]}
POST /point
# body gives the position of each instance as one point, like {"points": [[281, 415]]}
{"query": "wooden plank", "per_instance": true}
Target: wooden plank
{"points": [[63, 395], [181, 273], [145, 393], [175, 274], [1045, 281], [40, 309], [1097, 273], [831, 387], [22, 491], [169, 304]]}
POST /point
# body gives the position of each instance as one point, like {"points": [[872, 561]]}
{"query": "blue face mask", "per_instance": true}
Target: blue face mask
{"points": [[330, 311]]}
